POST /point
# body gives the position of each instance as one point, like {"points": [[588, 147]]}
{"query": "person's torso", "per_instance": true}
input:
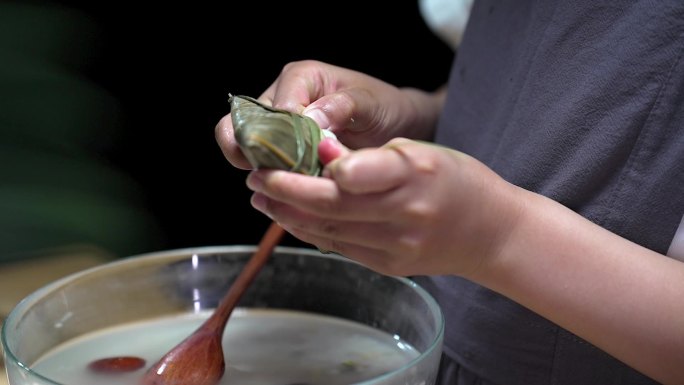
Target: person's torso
{"points": [[581, 102]]}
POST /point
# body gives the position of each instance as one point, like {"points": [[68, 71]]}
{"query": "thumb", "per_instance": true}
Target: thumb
{"points": [[351, 109], [370, 170], [330, 149]]}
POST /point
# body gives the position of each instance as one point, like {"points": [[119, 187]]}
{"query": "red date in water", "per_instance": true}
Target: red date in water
{"points": [[115, 365]]}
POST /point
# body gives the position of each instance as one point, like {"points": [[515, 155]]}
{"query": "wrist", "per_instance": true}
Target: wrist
{"points": [[511, 217], [423, 112]]}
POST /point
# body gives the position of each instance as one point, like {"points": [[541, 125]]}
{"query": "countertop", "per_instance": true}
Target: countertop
{"points": [[20, 278]]}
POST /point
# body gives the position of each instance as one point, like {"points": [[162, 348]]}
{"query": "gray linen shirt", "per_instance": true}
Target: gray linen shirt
{"points": [[583, 102]]}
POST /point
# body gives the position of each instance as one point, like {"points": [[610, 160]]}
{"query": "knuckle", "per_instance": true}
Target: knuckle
{"points": [[420, 212], [413, 246], [289, 67], [300, 66]]}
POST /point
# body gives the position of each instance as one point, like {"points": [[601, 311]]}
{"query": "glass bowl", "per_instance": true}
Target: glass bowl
{"points": [[187, 284]]}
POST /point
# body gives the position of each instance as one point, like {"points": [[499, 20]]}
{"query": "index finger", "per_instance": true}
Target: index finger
{"points": [[297, 86], [318, 196], [225, 136]]}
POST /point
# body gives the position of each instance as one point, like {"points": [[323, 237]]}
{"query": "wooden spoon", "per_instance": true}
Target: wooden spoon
{"points": [[198, 360]]}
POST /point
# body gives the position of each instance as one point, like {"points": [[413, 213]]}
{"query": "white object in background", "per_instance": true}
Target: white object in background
{"points": [[446, 18]]}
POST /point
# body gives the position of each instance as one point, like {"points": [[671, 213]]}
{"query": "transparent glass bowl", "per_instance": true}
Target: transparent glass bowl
{"points": [[190, 280]]}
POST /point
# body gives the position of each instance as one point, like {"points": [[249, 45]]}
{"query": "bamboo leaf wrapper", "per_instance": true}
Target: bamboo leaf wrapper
{"points": [[275, 138]]}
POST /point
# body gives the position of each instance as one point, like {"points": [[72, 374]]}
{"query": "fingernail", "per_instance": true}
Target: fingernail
{"points": [[259, 202], [330, 149], [254, 182], [319, 117]]}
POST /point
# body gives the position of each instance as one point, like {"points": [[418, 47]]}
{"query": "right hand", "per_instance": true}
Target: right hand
{"points": [[405, 208], [360, 110]]}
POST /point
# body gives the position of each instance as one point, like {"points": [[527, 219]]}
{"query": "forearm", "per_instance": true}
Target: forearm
{"points": [[621, 297]]}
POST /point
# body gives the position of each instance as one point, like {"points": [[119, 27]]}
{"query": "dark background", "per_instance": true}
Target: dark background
{"points": [[170, 68]]}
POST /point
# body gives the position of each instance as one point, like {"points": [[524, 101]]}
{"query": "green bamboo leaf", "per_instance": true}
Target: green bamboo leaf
{"points": [[275, 138]]}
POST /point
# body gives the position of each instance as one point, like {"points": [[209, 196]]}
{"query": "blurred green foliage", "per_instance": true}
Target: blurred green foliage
{"points": [[57, 187]]}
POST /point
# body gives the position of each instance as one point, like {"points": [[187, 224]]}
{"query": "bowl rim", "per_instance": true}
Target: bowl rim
{"points": [[183, 253]]}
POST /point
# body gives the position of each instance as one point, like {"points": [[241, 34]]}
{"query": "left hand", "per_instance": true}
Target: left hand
{"points": [[405, 208]]}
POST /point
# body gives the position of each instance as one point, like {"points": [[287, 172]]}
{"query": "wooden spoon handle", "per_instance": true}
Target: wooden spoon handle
{"points": [[268, 242]]}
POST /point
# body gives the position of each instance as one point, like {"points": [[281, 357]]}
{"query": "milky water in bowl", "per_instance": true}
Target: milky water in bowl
{"points": [[261, 347]]}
